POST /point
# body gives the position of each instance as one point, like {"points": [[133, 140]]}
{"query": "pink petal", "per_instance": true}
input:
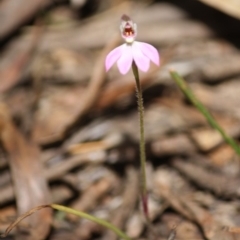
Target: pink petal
{"points": [[141, 60], [149, 51], [125, 61], [113, 56]]}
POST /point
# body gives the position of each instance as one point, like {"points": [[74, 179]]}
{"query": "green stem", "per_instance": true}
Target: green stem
{"points": [[189, 94], [141, 141], [91, 218]]}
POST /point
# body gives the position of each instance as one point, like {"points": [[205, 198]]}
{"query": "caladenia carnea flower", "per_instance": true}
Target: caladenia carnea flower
{"points": [[131, 51], [138, 56]]}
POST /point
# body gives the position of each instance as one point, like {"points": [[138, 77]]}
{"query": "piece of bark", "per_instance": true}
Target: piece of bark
{"points": [[107, 143], [219, 183], [30, 185], [71, 162], [174, 145]]}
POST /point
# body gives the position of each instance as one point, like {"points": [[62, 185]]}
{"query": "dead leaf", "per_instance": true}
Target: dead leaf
{"points": [[27, 172]]}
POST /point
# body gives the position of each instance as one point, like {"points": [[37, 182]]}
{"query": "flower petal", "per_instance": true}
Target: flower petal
{"points": [[141, 60], [150, 51], [113, 56], [125, 61]]}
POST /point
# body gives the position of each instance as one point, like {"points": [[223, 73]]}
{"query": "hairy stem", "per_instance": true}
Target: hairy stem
{"points": [[141, 143]]}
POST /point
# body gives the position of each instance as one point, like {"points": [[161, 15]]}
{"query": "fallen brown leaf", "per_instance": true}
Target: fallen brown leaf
{"points": [[30, 185]]}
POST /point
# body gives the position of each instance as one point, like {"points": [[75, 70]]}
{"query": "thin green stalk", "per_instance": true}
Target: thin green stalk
{"points": [[189, 94], [91, 218], [141, 141]]}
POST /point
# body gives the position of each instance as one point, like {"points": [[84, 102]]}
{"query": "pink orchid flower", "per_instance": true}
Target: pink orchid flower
{"points": [[139, 52]]}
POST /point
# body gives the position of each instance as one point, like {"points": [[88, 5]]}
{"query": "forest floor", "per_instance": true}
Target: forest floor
{"points": [[69, 130]]}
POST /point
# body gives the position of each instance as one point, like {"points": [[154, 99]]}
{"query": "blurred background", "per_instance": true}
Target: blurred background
{"points": [[69, 130]]}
